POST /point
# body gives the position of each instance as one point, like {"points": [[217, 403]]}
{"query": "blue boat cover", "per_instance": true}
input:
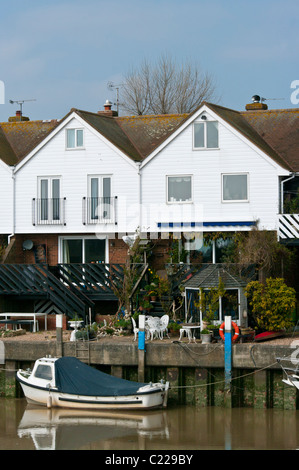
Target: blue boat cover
{"points": [[74, 377]]}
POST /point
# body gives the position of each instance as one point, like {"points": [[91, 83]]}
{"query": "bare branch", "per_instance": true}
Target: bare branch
{"points": [[166, 88]]}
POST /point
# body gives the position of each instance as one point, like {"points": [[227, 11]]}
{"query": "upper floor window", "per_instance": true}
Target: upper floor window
{"points": [[179, 188], [235, 187], [100, 197], [48, 207], [205, 135], [74, 138], [49, 191]]}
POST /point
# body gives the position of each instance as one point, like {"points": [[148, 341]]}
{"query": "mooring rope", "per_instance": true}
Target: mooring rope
{"points": [[222, 381]]}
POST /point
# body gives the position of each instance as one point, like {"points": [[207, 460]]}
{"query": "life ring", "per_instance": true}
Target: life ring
{"points": [[236, 328]]}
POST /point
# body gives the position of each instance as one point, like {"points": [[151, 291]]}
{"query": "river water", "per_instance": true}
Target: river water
{"points": [[178, 429]]}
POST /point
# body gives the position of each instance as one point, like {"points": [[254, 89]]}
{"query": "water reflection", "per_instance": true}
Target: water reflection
{"points": [[181, 428], [52, 429]]}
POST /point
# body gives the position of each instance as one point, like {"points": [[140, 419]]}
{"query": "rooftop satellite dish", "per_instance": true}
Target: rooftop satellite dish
{"points": [[27, 244]]}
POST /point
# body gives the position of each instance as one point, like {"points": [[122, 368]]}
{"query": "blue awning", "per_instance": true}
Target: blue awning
{"points": [[204, 224]]}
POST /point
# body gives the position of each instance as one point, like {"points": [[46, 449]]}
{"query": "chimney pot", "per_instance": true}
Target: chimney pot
{"points": [[256, 105], [107, 110]]}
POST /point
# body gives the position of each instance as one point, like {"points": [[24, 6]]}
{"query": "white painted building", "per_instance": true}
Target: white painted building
{"points": [[93, 177], [225, 184]]}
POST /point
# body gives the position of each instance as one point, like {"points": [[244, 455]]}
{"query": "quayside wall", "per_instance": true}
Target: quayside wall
{"points": [[195, 371]]}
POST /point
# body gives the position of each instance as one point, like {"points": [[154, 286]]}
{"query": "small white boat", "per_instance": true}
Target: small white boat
{"points": [[67, 382], [291, 374]]}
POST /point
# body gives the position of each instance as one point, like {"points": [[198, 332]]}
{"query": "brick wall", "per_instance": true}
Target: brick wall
{"points": [[118, 251], [21, 256]]}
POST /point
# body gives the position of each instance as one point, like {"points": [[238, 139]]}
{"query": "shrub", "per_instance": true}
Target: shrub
{"points": [[272, 303]]}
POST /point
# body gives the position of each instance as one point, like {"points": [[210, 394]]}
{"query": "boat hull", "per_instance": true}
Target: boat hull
{"points": [[156, 397], [292, 381]]}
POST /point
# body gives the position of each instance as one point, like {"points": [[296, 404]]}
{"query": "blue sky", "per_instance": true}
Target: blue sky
{"points": [[63, 53]]}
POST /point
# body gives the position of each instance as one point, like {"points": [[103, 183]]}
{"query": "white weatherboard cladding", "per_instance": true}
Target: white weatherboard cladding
{"points": [[73, 167], [6, 202], [233, 156]]}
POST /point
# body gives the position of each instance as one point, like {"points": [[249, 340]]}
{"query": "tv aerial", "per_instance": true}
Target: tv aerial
{"points": [[111, 86], [20, 102]]}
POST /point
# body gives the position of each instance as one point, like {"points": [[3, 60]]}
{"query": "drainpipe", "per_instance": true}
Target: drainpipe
{"points": [[281, 191], [13, 205], [139, 195]]}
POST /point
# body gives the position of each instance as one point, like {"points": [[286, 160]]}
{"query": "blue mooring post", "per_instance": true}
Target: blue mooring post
{"points": [[228, 350], [141, 348], [141, 332]]}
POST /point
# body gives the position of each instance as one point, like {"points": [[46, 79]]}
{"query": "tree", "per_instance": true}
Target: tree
{"points": [[260, 247], [166, 88]]}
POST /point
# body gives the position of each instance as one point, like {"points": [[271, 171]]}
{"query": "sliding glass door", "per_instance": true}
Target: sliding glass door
{"points": [[83, 250]]}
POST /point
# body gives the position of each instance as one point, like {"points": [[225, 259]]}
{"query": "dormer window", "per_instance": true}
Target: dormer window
{"points": [[205, 135], [74, 138]]}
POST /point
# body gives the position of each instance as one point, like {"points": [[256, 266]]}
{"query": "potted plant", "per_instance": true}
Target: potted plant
{"points": [[206, 336], [147, 306], [174, 327], [153, 292], [75, 322], [213, 329]]}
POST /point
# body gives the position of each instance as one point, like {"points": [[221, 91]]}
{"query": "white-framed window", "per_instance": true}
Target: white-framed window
{"points": [[235, 187], [179, 188], [99, 200], [49, 202], [74, 138], [205, 135]]}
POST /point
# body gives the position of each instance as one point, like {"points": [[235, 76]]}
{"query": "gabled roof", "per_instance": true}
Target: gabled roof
{"points": [[148, 132], [19, 138], [210, 275], [275, 132], [7, 154], [109, 128], [251, 124], [280, 129]]}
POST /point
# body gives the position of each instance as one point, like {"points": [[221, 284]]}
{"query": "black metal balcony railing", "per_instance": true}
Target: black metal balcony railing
{"points": [[99, 210], [50, 211]]}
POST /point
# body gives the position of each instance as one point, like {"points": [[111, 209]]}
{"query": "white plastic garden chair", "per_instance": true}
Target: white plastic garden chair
{"points": [[135, 329], [153, 327], [164, 326]]}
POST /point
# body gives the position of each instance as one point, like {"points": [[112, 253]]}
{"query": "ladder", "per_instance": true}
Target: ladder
{"points": [[82, 350]]}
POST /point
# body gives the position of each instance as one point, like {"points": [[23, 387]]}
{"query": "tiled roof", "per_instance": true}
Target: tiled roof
{"points": [[109, 128], [280, 129], [275, 132], [148, 132], [252, 125], [7, 154], [22, 137]]}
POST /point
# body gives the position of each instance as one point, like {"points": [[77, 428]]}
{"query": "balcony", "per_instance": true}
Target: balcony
{"points": [[288, 226], [50, 211], [99, 210]]}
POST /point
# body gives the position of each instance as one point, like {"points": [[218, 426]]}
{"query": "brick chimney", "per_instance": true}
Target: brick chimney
{"points": [[107, 110], [256, 104], [18, 117]]}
